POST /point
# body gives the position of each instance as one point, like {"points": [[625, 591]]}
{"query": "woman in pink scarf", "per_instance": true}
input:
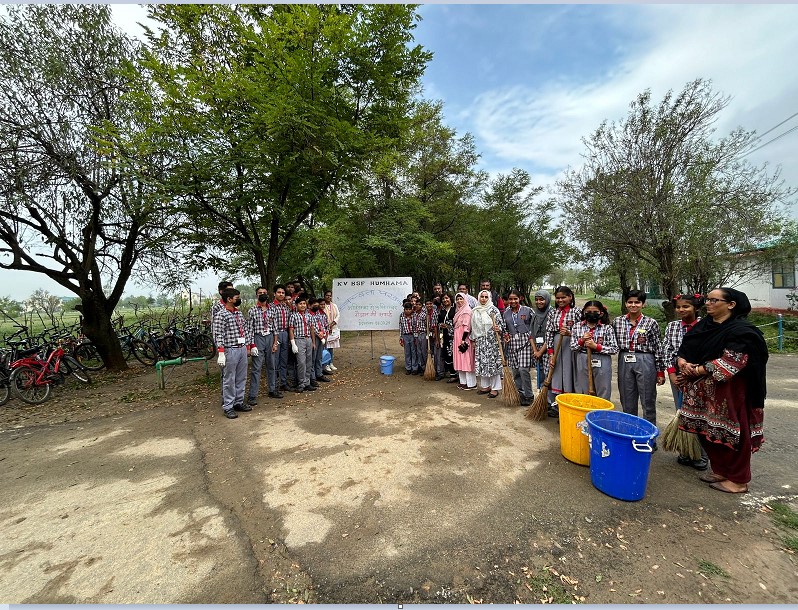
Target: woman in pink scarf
{"points": [[463, 348]]}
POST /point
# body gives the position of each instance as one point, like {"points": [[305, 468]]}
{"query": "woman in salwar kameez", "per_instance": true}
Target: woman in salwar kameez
{"points": [[464, 346], [486, 321], [722, 363]]}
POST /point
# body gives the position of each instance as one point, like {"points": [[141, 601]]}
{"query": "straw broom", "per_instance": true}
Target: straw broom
{"points": [[537, 411], [429, 370], [510, 394], [679, 441], [591, 388]]}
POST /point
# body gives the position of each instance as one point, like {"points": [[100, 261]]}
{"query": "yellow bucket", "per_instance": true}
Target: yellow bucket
{"points": [[573, 408]]}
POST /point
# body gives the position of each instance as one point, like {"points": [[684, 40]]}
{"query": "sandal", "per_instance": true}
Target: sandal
{"points": [[711, 477], [723, 488], [484, 391], [493, 394]]}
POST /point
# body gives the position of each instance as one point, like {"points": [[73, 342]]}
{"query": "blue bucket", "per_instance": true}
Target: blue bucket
{"points": [[620, 453], [386, 365], [326, 357]]}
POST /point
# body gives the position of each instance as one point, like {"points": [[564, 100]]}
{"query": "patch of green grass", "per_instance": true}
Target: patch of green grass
{"points": [[784, 515], [209, 381], [545, 587], [791, 542], [135, 395], [711, 569]]}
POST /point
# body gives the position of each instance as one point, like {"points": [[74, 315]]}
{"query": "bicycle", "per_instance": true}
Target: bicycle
{"points": [[158, 347], [32, 377], [197, 342]]}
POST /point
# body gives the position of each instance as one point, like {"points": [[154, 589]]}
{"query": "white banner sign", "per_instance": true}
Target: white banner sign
{"points": [[371, 303]]}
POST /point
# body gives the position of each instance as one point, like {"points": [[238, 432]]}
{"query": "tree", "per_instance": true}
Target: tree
{"points": [[42, 301], [71, 207], [657, 187], [9, 308], [270, 110]]}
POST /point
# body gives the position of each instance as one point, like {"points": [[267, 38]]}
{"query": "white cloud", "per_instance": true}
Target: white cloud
{"points": [[747, 51]]}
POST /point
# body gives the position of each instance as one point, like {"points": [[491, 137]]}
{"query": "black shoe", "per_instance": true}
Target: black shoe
{"points": [[418, 372], [284, 388], [525, 402], [313, 384], [701, 464], [242, 408], [275, 395], [408, 372], [311, 388], [324, 379], [653, 446], [553, 412], [453, 380], [438, 377], [252, 402], [299, 390], [230, 414]]}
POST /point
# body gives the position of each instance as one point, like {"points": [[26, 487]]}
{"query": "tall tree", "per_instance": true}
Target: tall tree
{"points": [[658, 186], [270, 110], [68, 207]]}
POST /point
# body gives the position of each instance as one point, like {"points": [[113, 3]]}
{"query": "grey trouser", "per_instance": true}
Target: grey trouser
{"points": [[440, 365], [602, 375], [265, 358], [411, 353], [317, 368], [637, 381], [304, 361], [234, 377], [281, 357], [421, 350], [523, 382]]}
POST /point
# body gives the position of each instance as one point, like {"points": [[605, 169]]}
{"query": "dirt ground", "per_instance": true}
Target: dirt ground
{"points": [[374, 489]]}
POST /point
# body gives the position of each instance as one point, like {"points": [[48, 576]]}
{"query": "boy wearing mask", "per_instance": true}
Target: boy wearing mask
{"points": [[262, 329], [233, 340]]}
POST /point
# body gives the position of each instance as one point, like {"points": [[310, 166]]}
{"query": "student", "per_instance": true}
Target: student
{"points": [[300, 334], [595, 332], [406, 338], [219, 305], [281, 314], [519, 343], [261, 327], [539, 316], [321, 330], [233, 339], [559, 323], [687, 307], [640, 368], [420, 335], [431, 315], [334, 338]]}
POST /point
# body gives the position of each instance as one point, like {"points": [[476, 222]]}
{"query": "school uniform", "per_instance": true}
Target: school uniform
{"points": [[322, 328], [280, 315], [518, 352], [420, 337], [406, 331], [262, 329], [301, 325], [639, 364], [562, 380], [674, 333], [600, 358], [232, 335]]}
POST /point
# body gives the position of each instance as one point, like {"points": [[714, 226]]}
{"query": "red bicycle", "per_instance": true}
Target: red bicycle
{"points": [[32, 377]]}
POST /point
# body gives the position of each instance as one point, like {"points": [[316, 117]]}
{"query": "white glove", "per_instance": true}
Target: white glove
{"points": [[294, 348], [254, 352], [323, 340], [221, 360]]}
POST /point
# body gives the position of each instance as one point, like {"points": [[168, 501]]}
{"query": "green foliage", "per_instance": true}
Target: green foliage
{"points": [[711, 569], [657, 187], [784, 515]]}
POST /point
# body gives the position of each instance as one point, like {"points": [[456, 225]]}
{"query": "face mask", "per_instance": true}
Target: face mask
{"points": [[237, 302], [592, 316], [263, 298], [314, 308]]}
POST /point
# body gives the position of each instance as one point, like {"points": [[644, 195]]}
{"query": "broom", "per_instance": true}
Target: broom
{"points": [[429, 370], [510, 394], [537, 411], [679, 441], [591, 388]]}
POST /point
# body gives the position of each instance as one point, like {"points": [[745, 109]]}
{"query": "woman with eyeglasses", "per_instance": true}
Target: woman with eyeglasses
{"points": [[722, 360]]}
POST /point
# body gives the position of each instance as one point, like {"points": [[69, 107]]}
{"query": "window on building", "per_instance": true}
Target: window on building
{"points": [[784, 274]]}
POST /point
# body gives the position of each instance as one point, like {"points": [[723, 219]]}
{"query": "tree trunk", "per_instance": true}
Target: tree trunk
{"points": [[98, 328], [623, 280]]}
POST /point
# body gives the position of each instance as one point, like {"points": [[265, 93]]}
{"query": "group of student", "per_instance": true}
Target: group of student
{"points": [[468, 335], [286, 335]]}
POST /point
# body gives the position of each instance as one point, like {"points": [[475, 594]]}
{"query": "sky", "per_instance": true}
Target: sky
{"points": [[529, 81]]}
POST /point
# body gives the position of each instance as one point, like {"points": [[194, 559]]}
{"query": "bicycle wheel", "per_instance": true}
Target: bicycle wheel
{"points": [[23, 385], [89, 357], [204, 346], [173, 347], [144, 352], [76, 369], [5, 389]]}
